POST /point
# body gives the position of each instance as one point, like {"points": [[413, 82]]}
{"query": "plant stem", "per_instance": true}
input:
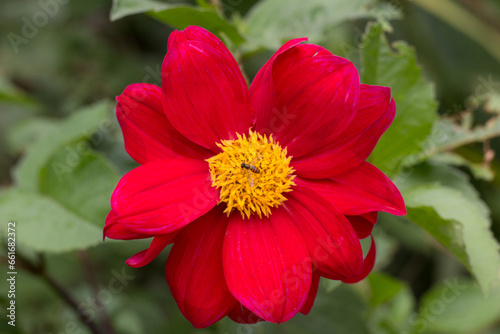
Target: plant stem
{"points": [[94, 284], [40, 271]]}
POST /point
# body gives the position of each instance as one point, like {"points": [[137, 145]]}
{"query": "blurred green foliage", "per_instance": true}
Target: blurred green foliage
{"points": [[61, 154]]}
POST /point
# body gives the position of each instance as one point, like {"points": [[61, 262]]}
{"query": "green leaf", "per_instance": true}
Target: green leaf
{"points": [[122, 8], [10, 93], [459, 225], [392, 303], [271, 22], [81, 124], [44, 225], [434, 171], [80, 180], [28, 131], [181, 17], [383, 287], [414, 98], [178, 16], [457, 306]]}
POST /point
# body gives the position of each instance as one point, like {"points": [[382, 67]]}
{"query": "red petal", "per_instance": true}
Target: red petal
{"points": [[242, 315], [195, 33], [314, 97], [194, 271], [331, 240], [162, 196], [363, 224], [367, 265], [312, 294], [113, 230], [146, 256], [362, 190], [262, 92], [148, 134], [205, 94], [267, 265], [352, 148]]}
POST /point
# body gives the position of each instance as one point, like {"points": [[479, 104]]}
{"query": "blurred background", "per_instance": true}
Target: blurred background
{"points": [[64, 58]]}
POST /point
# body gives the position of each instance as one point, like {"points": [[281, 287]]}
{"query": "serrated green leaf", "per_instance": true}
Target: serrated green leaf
{"points": [[457, 306], [44, 225], [181, 17], [434, 171], [79, 125], [457, 224], [80, 180], [415, 101], [271, 22]]}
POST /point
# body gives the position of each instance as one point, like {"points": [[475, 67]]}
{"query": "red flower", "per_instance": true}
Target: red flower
{"points": [[261, 190]]}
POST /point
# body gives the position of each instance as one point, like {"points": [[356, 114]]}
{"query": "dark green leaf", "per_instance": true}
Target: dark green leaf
{"points": [[181, 17]]}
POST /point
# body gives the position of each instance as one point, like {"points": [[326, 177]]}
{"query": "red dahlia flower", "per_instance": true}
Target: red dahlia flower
{"points": [[260, 190]]}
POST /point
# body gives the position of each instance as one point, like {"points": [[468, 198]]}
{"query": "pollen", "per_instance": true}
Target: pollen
{"points": [[253, 173]]}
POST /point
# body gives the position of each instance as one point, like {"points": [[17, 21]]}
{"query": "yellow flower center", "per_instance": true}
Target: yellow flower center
{"points": [[252, 174]]}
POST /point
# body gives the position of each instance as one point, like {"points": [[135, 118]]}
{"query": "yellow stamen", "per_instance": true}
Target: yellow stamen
{"points": [[251, 190]]}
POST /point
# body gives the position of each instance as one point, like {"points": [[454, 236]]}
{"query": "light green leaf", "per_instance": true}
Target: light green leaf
{"points": [[414, 98], [44, 225], [81, 124], [434, 171], [122, 8], [459, 225], [80, 180], [181, 17], [457, 306], [271, 22]]}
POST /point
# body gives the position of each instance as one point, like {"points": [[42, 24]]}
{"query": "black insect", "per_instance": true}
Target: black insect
{"points": [[251, 168]]}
